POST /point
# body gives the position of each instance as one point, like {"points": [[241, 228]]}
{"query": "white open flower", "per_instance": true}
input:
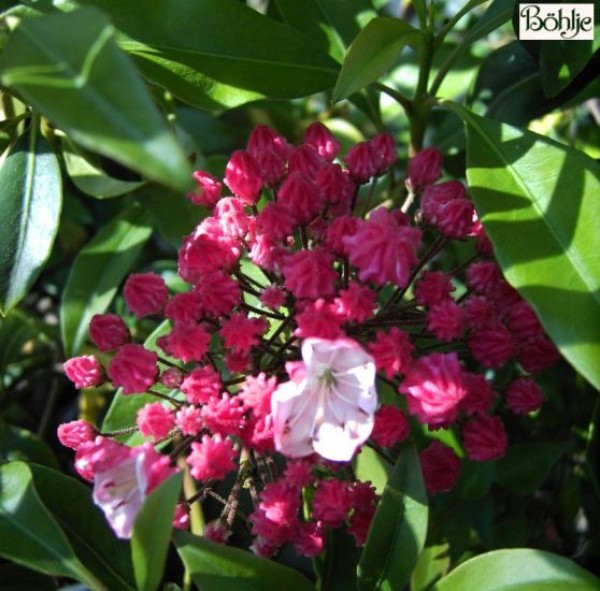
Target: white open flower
{"points": [[329, 404]]}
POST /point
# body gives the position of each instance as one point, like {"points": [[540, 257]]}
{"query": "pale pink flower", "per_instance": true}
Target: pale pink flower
{"points": [[122, 482], [328, 407]]}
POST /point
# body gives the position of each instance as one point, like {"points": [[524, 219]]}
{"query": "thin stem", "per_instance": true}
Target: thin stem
{"points": [[157, 394], [263, 312], [119, 432], [402, 100]]}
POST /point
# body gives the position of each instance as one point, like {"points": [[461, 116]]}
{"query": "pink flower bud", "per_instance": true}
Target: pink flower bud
{"points": [[171, 378], [154, 420], [537, 354], [391, 426], [84, 371], [208, 191], [302, 198], [133, 368], [383, 150], [492, 345], [76, 433], [145, 294], [108, 331], [306, 160], [440, 466], [485, 439], [243, 177], [181, 520], [524, 396], [360, 162], [447, 207], [425, 168], [433, 288], [318, 136], [211, 458], [264, 140], [484, 277], [189, 420], [338, 188]]}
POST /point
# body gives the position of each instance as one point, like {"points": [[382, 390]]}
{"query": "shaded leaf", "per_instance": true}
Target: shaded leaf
{"points": [[20, 444], [90, 89], [28, 533], [152, 533], [497, 13], [216, 567], [374, 51], [330, 25], [398, 531], [538, 202], [84, 525], [31, 197], [226, 51], [16, 578], [518, 570], [526, 465], [90, 179], [508, 85], [432, 564], [336, 567], [97, 272]]}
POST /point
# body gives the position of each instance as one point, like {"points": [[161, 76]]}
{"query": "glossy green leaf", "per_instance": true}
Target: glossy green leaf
{"points": [[31, 201], [432, 564], [70, 503], [15, 330], [370, 466], [28, 533], [518, 570], [399, 528], [508, 86], [331, 25], [526, 465], [215, 567], [538, 201], [152, 533], [89, 88], [17, 443], [225, 50], [374, 51], [90, 179], [97, 272]]}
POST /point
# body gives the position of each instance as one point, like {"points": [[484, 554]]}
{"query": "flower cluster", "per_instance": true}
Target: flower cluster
{"points": [[302, 302]]}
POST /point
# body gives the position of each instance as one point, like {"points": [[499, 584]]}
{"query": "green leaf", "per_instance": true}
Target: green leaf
{"points": [[374, 51], [538, 202], [90, 89], [97, 272], [28, 533], [20, 444], [336, 567], [369, 466], [172, 214], [215, 567], [331, 25], [226, 51], [497, 13], [518, 570], [432, 564], [526, 465], [31, 200], [398, 531], [152, 533], [84, 525], [90, 179]]}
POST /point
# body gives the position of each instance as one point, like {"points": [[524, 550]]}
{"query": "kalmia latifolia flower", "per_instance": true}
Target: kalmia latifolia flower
{"points": [[315, 319], [329, 403]]}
